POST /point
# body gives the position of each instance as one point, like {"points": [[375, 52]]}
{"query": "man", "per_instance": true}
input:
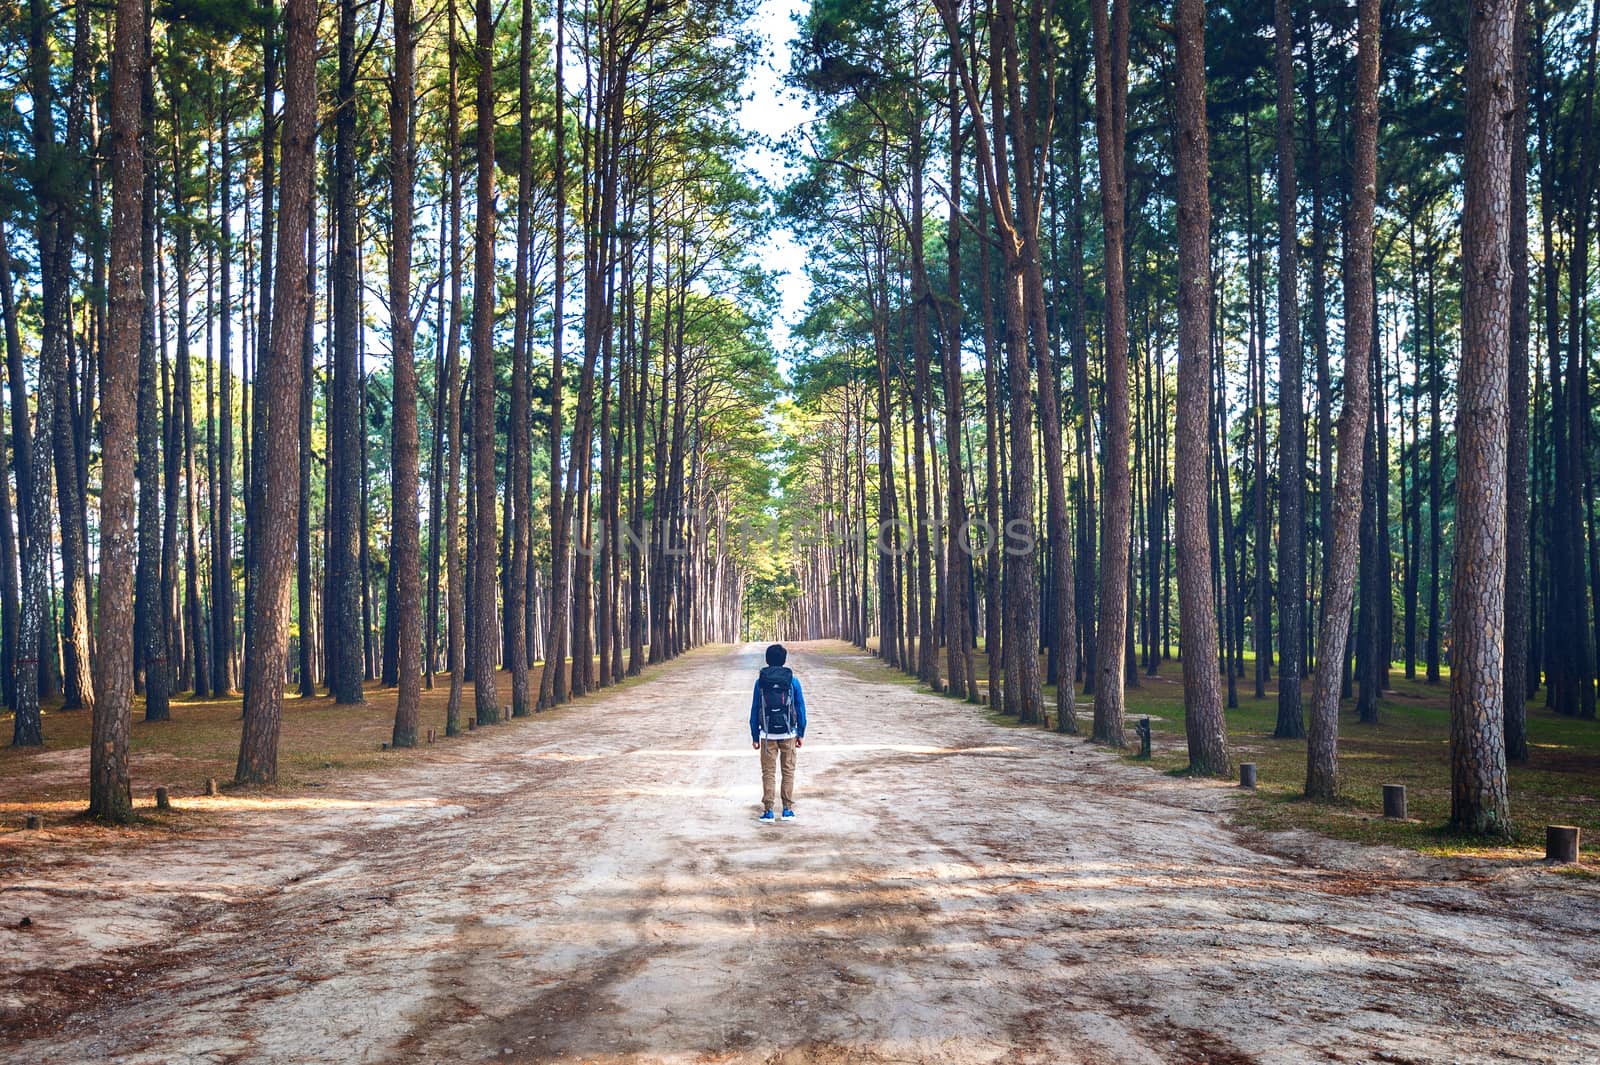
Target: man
{"points": [[777, 729]]}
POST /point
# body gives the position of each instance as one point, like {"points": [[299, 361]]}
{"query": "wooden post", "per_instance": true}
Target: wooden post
{"points": [[1394, 801], [1247, 774], [472, 724], [505, 713], [1143, 729], [430, 735], [163, 801], [1561, 843], [33, 823], [211, 786]]}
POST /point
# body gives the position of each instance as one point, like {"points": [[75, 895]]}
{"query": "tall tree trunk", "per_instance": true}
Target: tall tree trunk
{"points": [[342, 599], [1085, 577], [1322, 752], [1260, 610], [280, 502], [70, 463], [254, 442], [171, 490], [110, 789], [9, 606], [196, 621], [223, 677], [520, 449], [1435, 477], [485, 638], [993, 622], [553, 678], [1518, 553], [436, 444], [1111, 93], [1063, 620], [1479, 801], [305, 592], [150, 630], [922, 395], [1319, 326], [1203, 720], [1291, 412], [405, 561], [455, 579], [888, 599], [958, 638]]}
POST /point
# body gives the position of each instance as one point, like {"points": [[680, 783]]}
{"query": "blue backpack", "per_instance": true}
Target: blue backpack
{"points": [[777, 701]]}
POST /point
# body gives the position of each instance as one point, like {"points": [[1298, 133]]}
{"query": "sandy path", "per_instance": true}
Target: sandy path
{"points": [[593, 886]]}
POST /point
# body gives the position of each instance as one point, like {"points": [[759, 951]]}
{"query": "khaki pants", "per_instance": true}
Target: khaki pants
{"points": [[771, 751]]}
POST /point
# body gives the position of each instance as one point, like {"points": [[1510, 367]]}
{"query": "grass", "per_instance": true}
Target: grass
{"points": [[1409, 744], [319, 741]]}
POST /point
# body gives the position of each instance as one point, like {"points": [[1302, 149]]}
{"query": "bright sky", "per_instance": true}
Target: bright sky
{"points": [[774, 112]]}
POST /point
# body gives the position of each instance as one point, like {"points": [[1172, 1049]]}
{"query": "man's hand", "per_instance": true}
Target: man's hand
{"points": [[756, 746], [799, 743]]}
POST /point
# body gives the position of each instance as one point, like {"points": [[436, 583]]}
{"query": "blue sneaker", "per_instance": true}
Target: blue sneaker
{"points": [[767, 818], [788, 815]]}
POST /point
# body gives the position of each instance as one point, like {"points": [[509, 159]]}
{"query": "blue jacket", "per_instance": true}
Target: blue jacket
{"points": [[799, 711]]}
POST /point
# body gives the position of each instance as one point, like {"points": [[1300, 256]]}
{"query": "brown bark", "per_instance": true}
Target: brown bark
{"points": [[9, 605], [1111, 94], [150, 631], [993, 623], [195, 622], [1518, 615], [342, 597], [486, 631], [518, 513], [280, 410], [110, 788], [553, 678], [1478, 795], [455, 580], [405, 560], [1203, 720], [1322, 752], [922, 394], [1291, 409], [223, 676], [958, 636]]}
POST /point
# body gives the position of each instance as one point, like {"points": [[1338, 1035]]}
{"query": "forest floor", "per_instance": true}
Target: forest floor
{"points": [[321, 741], [592, 885], [1409, 744]]}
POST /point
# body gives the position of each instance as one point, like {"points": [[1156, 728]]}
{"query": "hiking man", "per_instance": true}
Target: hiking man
{"points": [[777, 728]]}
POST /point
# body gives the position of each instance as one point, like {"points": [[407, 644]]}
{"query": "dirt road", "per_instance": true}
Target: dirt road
{"points": [[593, 886]]}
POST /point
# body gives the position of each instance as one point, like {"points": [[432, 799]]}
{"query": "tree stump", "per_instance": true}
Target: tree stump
{"points": [[163, 800], [505, 713], [472, 724], [1561, 843], [211, 786], [1394, 801], [33, 823], [431, 733], [1247, 774], [1143, 729]]}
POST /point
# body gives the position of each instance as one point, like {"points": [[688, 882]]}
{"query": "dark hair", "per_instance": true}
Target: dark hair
{"points": [[776, 655]]}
